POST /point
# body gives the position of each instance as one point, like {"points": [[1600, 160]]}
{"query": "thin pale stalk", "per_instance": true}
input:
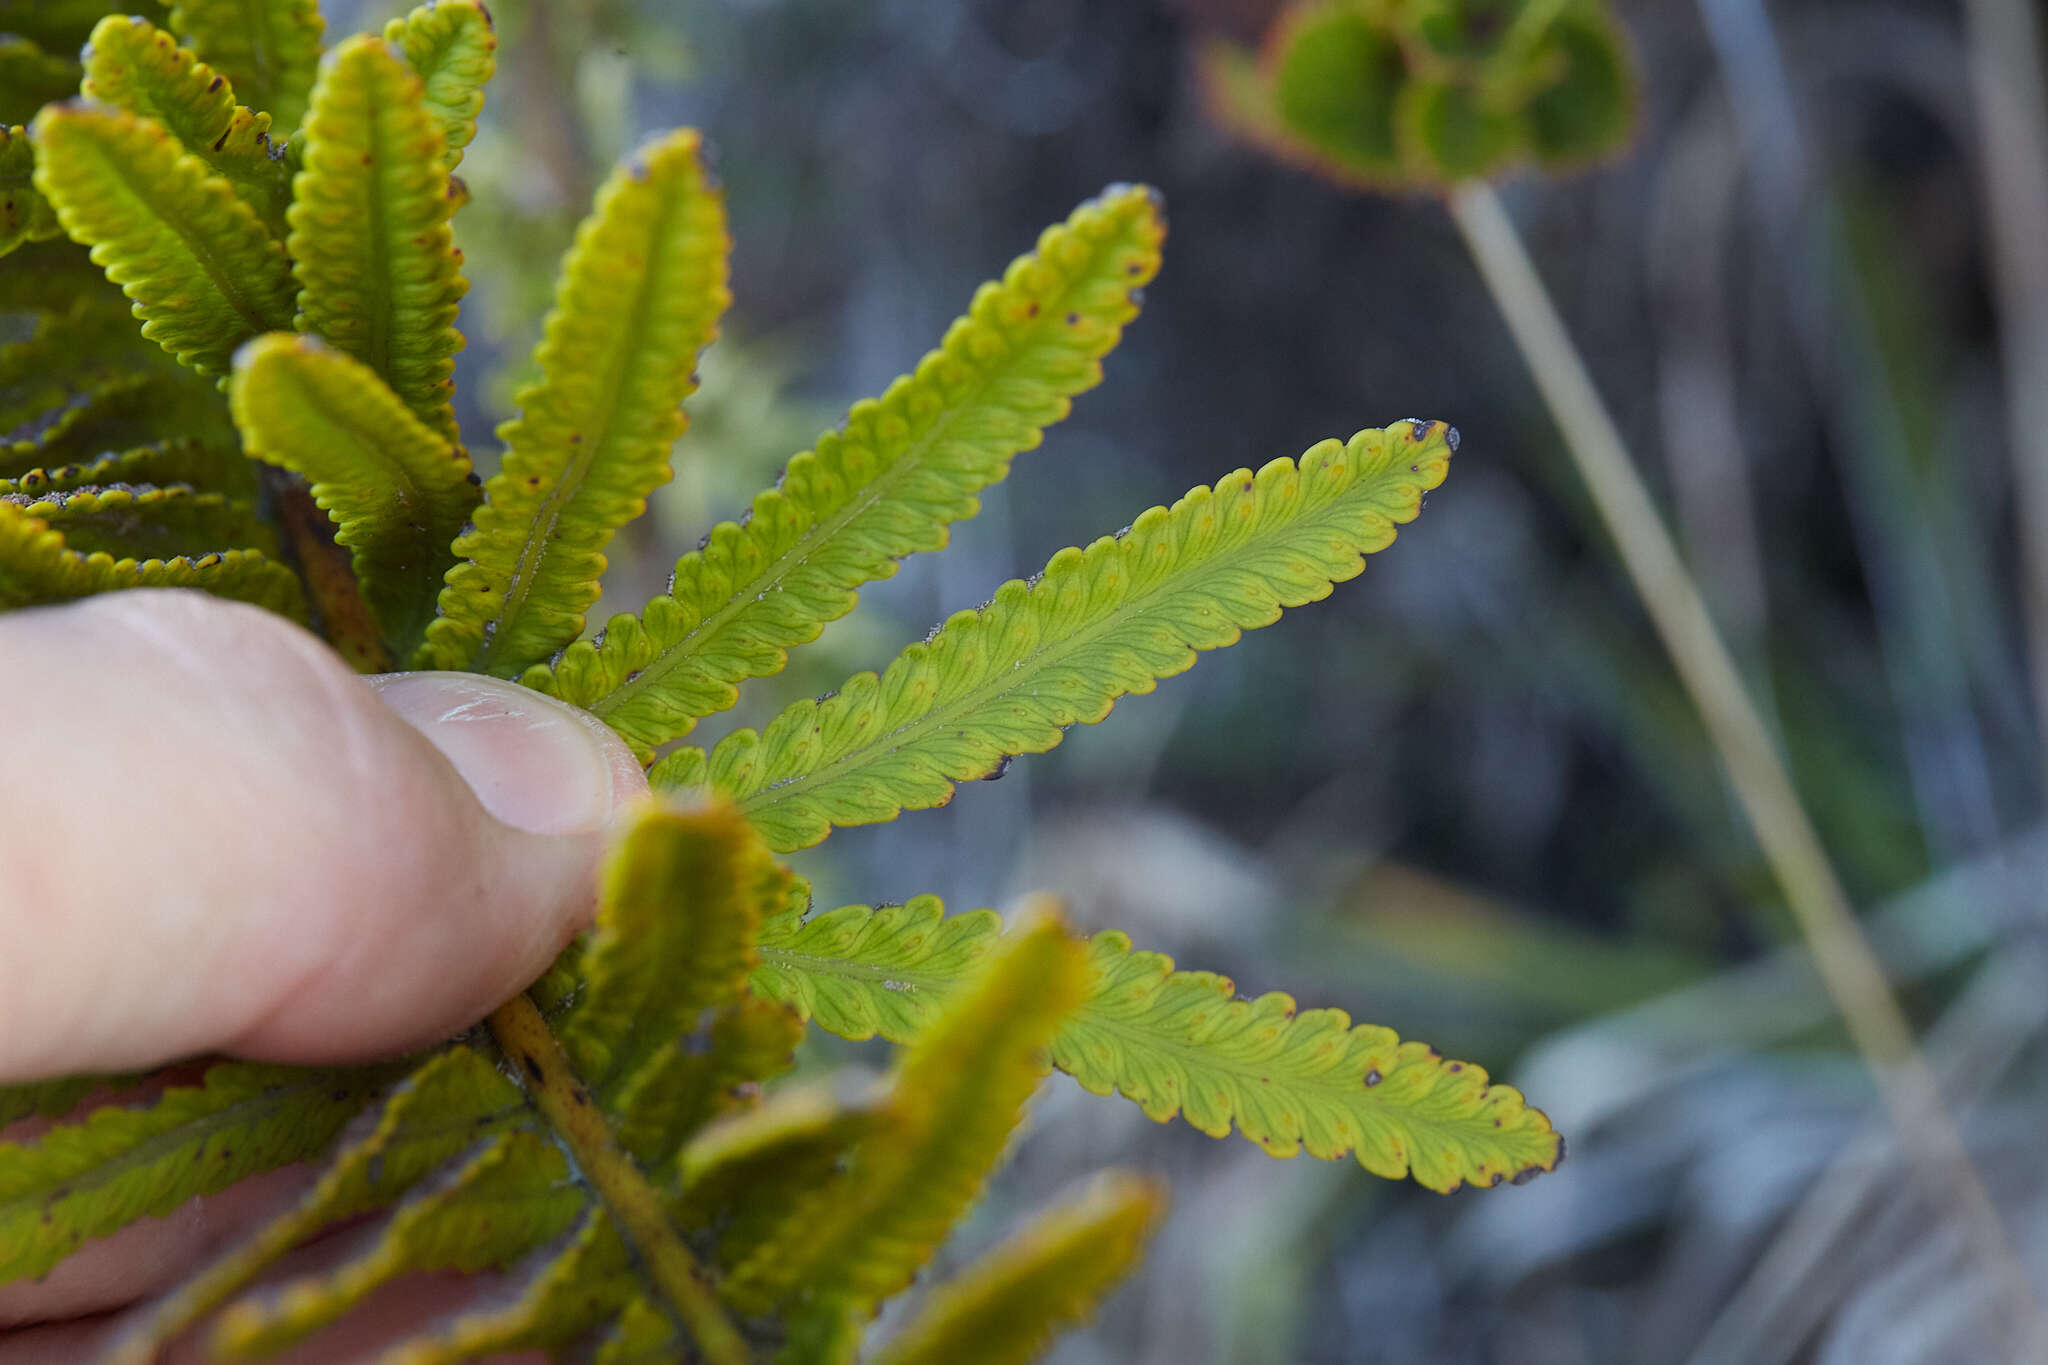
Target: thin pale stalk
{"points": [[1763, 788], [2012, 117], [631, 1200]]}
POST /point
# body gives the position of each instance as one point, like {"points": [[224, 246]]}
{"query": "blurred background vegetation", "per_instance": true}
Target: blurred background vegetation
{"points": [[1464, 798]]}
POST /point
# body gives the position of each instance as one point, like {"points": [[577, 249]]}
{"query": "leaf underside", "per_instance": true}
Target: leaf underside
{"points": [[1177, 1042], [203, 272], [371, 245], [397, 492], [453, 47], [37, 569], [269, 49], [133, 64], [1006, 1309], [640, 296], [1060, 649], [885, 484]]}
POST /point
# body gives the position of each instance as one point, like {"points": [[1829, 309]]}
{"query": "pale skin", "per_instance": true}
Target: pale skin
{"points": [[215, 839]]}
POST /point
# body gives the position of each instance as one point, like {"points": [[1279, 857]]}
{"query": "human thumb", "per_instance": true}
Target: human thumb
{"points": [[214, 837]]}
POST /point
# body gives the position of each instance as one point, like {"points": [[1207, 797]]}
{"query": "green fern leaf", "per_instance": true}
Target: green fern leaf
{"points": [[572, 1289], [643, 1336], [453, 1100], [268, 49], [910, 958], [1007, 1308], [1059, 650], [62, 25], [640, 296], [684, 1084], [679, 905], [747, 1172], [25, 216], [452, 45], [886, 484], [87, 1178], [72, 414], [204, 273], [960, 1090], [31, 78], [1178, 1043], [397, 492], [52, 1099], [370, 240], [37, 569], [136, 522], [513, 1192], [1181, 1042], [182, 460], [137, 66]]}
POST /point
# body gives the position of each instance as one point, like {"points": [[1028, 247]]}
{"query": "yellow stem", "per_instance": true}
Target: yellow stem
{"points": [[1763, 788], [631, 1200]]}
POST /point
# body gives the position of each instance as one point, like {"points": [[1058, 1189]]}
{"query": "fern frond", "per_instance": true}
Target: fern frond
{"points": [[25, 216], [1177, 1042], [753, 1167], [512, 1192], [452, 45], [680, 901], [30, 77], [72, 414], [640, 295], [571, 1289], [396, 492], [910, 957], [133, 64], [887, 483], [87, 1178], [959, 1091], [139, 522], [1059, 650], [203, 272], [181, 460], [643, 1336], [53, 1099], [684, 1085], [370, 243], [451, 1101], [62, 25], [1182, 1042], [268, 49], [1007, 1308], [36, 569]]}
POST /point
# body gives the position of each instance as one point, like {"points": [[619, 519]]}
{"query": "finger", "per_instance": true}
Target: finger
{"points": [[217, 838], [151, 1254]]}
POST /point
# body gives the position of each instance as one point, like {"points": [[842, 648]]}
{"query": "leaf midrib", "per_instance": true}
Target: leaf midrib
{"points": [[244, 308], [821, 534], [1049, 650], [28, 1203], [1194, 1061], [814, 964], [555, 503]]}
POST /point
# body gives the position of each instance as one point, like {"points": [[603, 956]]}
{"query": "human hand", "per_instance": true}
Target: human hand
{"points": [[215, 838]]}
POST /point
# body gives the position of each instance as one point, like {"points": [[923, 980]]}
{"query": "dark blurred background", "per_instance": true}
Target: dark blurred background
{"points": [[1465, 797]]}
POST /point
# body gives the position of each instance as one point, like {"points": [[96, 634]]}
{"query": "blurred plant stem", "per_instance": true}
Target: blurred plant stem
{"points": [[1842, 955], [2012, 116]]}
